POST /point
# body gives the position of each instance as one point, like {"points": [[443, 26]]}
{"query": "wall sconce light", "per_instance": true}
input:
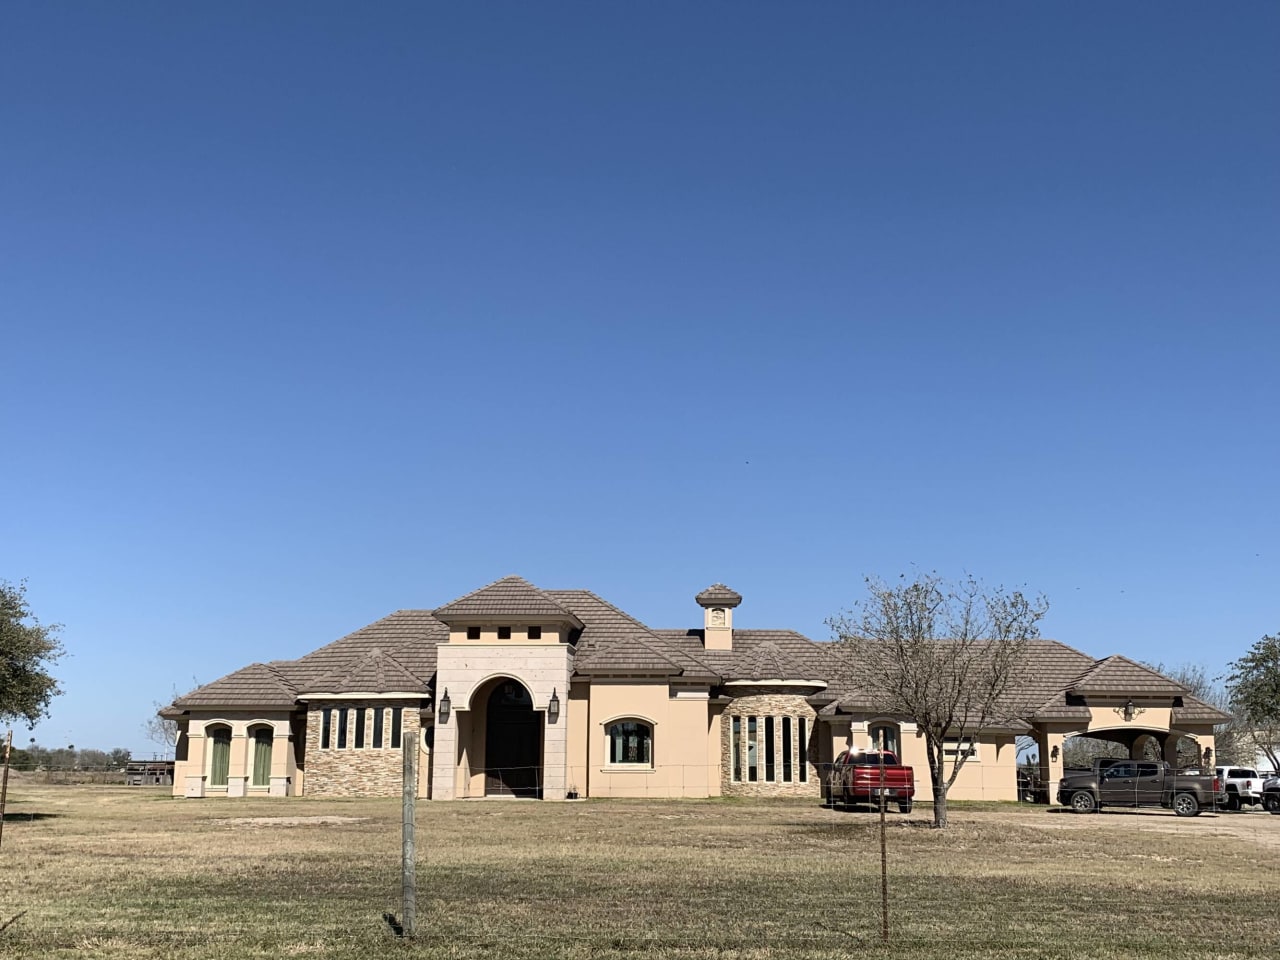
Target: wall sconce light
{"points": [[1129, 711], [1055, 752], [444, 707], [553, 708]]}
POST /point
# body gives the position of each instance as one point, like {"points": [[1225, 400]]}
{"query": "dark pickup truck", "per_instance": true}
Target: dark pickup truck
{"points": [[1136, 783], [856, 778]]}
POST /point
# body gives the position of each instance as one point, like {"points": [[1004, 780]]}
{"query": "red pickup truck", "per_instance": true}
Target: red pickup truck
{"points": [[856, 778]]}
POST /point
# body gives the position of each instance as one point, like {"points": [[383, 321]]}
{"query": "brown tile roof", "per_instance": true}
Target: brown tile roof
{"points": [[257, 685], [718, 595], [375, 672], [510, 597], [1120, 675], [612, 641], [410, 636], [781, 654], [1194, 710]]}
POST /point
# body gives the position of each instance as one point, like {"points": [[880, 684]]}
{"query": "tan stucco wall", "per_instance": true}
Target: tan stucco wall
{"points": [[191, 774], [681, 724]]}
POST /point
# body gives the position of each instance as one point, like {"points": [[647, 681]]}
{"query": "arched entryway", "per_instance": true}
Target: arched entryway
{"points": [[512, 742]]}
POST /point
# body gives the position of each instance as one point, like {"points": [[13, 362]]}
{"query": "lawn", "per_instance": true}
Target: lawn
{"points": [[115, 872]]}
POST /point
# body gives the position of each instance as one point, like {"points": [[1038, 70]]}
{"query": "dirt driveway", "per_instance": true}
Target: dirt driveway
{"points": [[1257, 828]]}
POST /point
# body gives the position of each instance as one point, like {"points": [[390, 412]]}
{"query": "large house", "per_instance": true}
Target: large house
{"points": [[517, 691]]}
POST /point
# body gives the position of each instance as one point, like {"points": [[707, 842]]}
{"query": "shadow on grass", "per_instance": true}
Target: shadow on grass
{"points": [[11, 816]]}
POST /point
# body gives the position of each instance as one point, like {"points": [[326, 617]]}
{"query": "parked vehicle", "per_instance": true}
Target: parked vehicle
{"points": [[1137, 783], [858, 778], [1271, 795], [1243, 786]]}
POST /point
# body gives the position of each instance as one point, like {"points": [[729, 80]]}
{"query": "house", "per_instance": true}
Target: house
{"points": [[518, 691]]}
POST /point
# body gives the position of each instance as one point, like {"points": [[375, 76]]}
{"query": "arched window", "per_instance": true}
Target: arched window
{"points": [[630, 742], [219, 755], [891, 735], [262, 740]]}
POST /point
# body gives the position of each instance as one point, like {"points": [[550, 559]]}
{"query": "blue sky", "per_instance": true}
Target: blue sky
{"points": [[312, 312]]}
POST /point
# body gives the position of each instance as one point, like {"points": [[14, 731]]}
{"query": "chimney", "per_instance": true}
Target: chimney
{"points": [[717, 603]]}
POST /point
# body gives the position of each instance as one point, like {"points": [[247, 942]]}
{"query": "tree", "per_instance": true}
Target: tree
{"points": [[1254, 686], [119, 757], [1231, 740], [28, 649], [163, 731], [944, 655]]}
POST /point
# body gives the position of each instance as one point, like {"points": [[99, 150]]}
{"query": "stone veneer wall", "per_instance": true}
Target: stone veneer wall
{"points": [[776, 702], [366, 772]]}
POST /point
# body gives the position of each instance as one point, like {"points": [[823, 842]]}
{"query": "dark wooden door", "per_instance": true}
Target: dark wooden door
{"points": [[512, 743]]}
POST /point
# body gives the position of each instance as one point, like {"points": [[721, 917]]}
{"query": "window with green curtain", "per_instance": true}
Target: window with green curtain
{"points": [[262, 738], [220, 761]]}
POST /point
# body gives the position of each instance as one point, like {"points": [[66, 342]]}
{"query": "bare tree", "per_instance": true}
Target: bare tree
{"points": [[161, 730], [944, 655], [1233, 743]]}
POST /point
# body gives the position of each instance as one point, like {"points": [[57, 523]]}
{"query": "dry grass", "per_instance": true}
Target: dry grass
{"points": [[114, 872]]}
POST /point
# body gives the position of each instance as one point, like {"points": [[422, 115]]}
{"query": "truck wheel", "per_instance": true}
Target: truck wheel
{"points": [[1082, 801], [904, 806], [1233, 801], [1186, 805], [1271, 803]]}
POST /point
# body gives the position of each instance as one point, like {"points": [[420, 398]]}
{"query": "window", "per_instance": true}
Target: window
{"points": [[631, 742], [786, 749], [736, 742], [768, 750], [535, 633], [955, 747], [753, 768], [359, 744], [887, 731], [504, 633], [803, 758], [220, 756], [342, 728], [377, 727], [397, 720], [326, 728], [473, 633], [262, 739]]}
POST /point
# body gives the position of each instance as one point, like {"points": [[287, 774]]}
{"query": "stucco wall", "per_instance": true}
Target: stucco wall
{"points": [[681, 724], [191, 770]]}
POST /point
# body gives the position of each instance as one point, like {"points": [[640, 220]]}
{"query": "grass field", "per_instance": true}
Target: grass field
{"points": [[116, 872]]}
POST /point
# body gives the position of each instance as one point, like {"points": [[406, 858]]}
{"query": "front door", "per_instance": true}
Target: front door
{"points": [[512, 743]]}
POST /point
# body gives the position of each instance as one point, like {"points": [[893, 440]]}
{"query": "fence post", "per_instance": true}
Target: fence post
{"points": [[884, 852], [408, 864], [4, 785]]}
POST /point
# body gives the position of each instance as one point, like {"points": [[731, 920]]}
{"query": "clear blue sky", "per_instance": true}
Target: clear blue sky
{"points": [[312, 312]]}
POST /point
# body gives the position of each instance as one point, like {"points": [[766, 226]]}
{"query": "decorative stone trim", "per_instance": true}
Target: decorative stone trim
{"points": [[364, 772], [776, 702]]}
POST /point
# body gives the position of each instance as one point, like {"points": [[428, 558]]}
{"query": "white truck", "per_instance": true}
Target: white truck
{"points": [[1242, 785]]}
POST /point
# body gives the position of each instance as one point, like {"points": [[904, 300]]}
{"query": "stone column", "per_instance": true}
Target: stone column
{"points": [[238, 776], [444, 761], [1050, 766], [193, 783], [281, 761], [555, 743]]}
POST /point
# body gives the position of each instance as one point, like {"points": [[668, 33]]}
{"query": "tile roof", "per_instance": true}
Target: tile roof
{"points": [[718, 595], [781, 654], [1120, 675], [257, 685], [1194, 710], [512, 597], [375, 672]]}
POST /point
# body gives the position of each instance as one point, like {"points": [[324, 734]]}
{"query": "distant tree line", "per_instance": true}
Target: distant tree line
{"points": [[68, 760]]}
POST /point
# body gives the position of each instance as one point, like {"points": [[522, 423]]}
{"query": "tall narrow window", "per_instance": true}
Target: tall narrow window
{"points": [[262, 739], [326, 728], [377, 727], [397, 719], [220, 761], [360, 711], [342, 728], [769, 771], [787, 749], [753, 754], [736, 747], [802, 757]]}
